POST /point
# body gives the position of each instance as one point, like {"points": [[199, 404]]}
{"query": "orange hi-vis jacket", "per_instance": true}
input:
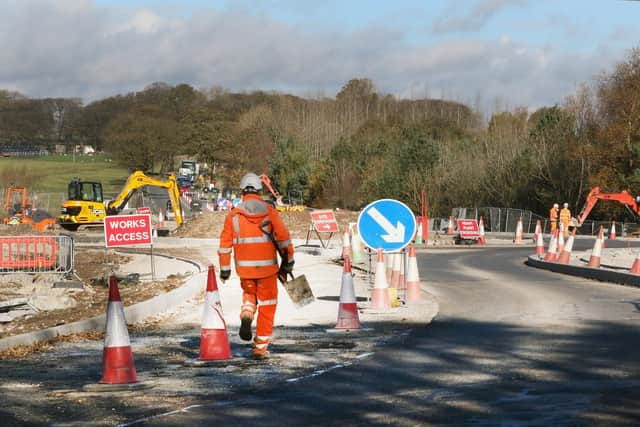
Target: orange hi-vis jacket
{"points": [[254, 252], [553, 215]]}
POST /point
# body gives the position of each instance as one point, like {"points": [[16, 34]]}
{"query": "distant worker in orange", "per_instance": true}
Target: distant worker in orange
{"points": [[246, 232], [565, 217], [554, 215]]}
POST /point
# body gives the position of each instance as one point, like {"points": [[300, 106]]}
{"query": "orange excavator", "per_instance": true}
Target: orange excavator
{"points": [[280, 204], [623, 197], [21, 211]]}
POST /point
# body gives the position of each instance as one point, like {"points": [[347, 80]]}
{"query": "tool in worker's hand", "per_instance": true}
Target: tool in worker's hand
{"points": [[298, 287]]}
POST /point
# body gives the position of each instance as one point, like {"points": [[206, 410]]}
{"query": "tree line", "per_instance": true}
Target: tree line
{"points": [[363, 145]]}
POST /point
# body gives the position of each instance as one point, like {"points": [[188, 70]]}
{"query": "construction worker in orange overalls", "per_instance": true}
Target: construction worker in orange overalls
{"points": [[554, 215], [250, 230], [565, 217]]}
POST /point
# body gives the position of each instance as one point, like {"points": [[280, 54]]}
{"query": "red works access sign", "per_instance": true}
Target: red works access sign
{"points": [[468, 229], [126, 230], [325, 221]]}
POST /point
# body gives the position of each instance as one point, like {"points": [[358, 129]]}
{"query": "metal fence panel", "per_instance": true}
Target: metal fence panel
{"points": [[36, 254], [506, 219]]}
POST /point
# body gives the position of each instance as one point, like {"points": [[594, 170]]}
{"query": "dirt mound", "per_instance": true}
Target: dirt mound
{"points": [[210, 224]]}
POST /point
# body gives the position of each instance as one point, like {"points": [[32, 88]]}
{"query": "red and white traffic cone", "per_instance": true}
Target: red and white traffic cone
{"points": [[482, 240], [601, 236], [553, 247], [214, 341], [537, 231], [565, 254], [596, 254], [519, 231], [388, 265], [414, 292], [635, 268], [348, 317], [612, 234], [560, 241], [346, 245], [380, 295], [451, 228], [540, 245], [402, 282], [117, 358], [160, 219], [395, 271]]}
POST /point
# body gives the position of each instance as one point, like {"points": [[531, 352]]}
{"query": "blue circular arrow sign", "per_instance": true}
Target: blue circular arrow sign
{"points": [[386, 224]]}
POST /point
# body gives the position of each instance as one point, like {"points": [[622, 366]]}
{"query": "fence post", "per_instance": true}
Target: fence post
{"points": [[506, 222]]}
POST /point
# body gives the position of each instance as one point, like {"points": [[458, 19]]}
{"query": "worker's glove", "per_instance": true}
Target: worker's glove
{"points": [[224, 275], [288, 267], [284, 270]]}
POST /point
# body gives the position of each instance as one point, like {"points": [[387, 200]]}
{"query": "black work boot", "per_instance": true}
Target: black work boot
{"points": [[245, 328]]}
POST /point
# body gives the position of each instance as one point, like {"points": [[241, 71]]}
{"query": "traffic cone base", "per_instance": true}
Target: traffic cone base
{"points": [[214, 341], [348, 316], [117, 366], [214, 344]]}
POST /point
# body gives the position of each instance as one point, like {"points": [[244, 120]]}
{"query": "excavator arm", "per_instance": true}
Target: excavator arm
{"points": [[137, 180], [266, 181], [594, 195]]}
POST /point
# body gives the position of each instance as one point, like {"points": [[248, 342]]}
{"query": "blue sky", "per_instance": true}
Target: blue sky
{"points": [[508, 52]]}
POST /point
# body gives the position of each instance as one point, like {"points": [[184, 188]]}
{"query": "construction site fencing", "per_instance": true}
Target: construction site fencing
{"points": [[505, 220], [36, 254]]}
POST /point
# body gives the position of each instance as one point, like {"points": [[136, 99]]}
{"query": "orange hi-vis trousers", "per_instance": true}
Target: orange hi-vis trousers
{"points": [[260, 295]]}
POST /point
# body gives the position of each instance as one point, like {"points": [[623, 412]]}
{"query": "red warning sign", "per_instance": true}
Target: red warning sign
{"points": [[325, 221], [468, 229], [126, 230]]}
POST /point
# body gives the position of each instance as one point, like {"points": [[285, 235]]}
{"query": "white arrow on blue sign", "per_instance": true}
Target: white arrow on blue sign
{"points": [[386, 224]]}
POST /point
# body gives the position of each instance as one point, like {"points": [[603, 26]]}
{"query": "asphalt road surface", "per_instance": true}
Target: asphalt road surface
{"points": [[512, 345]]}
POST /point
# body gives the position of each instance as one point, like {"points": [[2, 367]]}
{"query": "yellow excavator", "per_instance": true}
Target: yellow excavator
{"points": [[85, 205]]}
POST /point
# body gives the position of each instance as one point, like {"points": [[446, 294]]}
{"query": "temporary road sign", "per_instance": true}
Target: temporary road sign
{"points": [[386, 224], [324, 221], [143, 210], [127, 230], [468, 229]]}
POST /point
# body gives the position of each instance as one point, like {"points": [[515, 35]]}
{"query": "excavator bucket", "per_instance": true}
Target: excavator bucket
{"points": [[299, 291]]}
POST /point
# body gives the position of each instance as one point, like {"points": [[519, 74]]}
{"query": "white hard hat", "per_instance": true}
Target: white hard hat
{"points": [[566, 205], [555, 205], [250, 180]]}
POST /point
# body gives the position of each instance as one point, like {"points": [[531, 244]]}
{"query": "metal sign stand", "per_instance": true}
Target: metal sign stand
{"points": [[153, 267], [323, 243]]}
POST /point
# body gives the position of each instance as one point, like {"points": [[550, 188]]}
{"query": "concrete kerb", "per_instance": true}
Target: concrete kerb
{"points": [[133, 313], [603, 275]]}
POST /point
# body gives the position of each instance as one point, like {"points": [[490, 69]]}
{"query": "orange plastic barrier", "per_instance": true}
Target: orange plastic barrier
{"points": [[32, 252]]}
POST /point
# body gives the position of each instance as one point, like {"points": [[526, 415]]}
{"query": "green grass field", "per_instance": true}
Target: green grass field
{"points": [[53, 173]]}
